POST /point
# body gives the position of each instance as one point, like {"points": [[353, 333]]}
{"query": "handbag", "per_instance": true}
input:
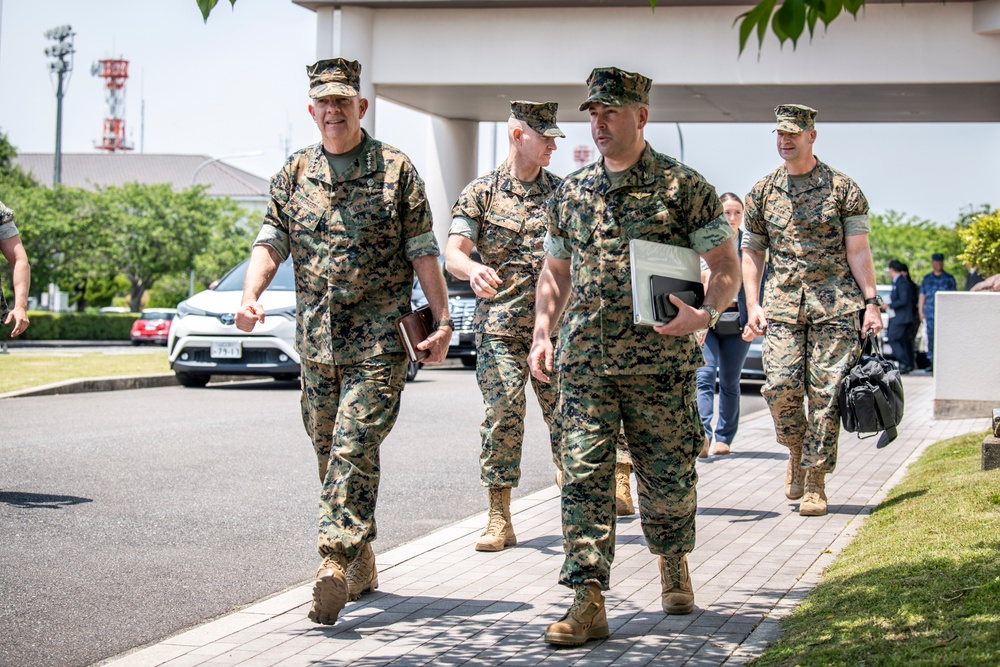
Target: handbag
{"points": [[728, 324], [871, 395]]}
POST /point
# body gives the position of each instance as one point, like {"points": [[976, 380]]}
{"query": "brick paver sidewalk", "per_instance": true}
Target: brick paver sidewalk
{"points": [[442, 603]]}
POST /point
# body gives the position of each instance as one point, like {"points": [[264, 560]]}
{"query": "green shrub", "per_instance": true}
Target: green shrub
{"points": [[982, 243], [78, 326]]}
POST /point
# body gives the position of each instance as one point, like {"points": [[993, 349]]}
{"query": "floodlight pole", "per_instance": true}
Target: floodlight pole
{"points": [[59, 52]]}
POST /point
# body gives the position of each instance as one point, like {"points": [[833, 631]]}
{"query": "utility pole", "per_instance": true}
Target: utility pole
{"points": [[59, 52]]}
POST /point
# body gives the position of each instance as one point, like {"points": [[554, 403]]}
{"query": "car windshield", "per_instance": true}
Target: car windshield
{"points": [[156, 316], [283, 281]]}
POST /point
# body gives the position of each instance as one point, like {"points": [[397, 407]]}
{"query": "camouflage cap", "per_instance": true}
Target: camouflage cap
{"points": [[334, 76], [794, 118], [540, 116], [616, 87]]}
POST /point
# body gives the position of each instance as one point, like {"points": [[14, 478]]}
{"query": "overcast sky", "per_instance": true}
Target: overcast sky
{"points": [[237, 85]]}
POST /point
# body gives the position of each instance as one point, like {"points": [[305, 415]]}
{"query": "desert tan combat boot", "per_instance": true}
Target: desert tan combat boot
{"points": [[586, 619], [362, 575], [794, 473], [814, 501], [329, 592], [677, 592], [623, 494], [499, 531]]}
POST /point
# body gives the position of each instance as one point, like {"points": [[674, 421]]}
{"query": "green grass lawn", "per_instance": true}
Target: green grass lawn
{"points": [[919, 584], [22, 370]]}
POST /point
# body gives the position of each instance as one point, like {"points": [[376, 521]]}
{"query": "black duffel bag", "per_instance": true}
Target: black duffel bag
{"points": [[871, 395]]}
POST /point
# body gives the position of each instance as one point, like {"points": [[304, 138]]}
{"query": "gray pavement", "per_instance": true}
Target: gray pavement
{"points": [[440, 602]]}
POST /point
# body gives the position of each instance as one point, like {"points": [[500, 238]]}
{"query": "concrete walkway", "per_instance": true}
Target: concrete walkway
{"points": [[441, 603]]}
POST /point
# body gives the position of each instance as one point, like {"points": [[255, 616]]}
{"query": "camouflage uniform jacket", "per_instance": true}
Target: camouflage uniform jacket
{"points": [[511, 230], [657, 199], [352, 239], [804, 232]]}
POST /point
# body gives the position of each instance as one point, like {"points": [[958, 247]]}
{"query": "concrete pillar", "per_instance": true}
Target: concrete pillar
{"points": [[451, 165], [986, 17], [348, 33]]}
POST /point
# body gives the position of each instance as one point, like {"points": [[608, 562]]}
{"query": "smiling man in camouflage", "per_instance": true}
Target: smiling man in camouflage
{"points": [[352, 212], [614, 373]]}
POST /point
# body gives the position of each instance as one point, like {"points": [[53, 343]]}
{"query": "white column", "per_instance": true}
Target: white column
{"points": [[348, 33], [986, 17], [451, 165]]}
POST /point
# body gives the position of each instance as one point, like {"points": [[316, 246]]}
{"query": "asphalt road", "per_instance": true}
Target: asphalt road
{"points": [[128, 516]]}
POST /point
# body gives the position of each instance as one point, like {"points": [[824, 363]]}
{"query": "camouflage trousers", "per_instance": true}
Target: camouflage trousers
{"points": [[804, 363], [659, 414], [502, 373], [348, 411]]}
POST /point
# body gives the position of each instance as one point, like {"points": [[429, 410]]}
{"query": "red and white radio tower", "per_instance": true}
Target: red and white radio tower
{"points": [[115, 72], [582, 156]]}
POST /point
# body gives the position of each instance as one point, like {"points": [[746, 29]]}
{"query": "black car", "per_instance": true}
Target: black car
{"points": [[753, 366], [461, 310]]}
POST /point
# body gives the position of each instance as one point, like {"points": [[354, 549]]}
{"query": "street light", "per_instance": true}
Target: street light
{"points": [[194, 176], [59, 52], [209, 161]]}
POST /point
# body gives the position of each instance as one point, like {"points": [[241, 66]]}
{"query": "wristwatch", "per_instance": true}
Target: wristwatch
{"points": [[446, 322], [874, 301], [713, 315]]}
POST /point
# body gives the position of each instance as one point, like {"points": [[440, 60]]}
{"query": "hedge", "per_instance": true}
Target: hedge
{"points": [[76, 326]]}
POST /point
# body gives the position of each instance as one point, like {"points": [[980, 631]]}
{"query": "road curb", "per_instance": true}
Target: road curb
{"points": [[86, 385]]}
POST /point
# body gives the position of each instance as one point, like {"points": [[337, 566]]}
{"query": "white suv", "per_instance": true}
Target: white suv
{"points": [[204, 340]]}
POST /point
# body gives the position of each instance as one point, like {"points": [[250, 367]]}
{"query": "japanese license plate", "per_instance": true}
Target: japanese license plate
{"points": [[229, 349]]}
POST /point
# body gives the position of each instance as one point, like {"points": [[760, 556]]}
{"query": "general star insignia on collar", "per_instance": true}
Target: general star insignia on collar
{"points": [[640, 195]]}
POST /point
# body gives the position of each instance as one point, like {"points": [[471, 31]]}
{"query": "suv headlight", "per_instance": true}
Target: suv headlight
{"points": [[183, 310], [288, 312]]}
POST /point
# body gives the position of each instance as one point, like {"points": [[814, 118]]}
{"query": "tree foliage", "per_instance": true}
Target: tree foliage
{"points": [[982, 243], [912, 240], [206, 7], [155, 231], [98, 245], [790, 18]]}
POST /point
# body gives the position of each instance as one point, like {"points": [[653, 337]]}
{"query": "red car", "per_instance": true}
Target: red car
{"points": [[153, 326]]}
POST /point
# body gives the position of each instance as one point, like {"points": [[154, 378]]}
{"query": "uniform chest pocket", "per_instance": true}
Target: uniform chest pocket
{"points": [[306, 212], [778, 217], [500, 229], [374, 223], [649, 217], [372, 213]]}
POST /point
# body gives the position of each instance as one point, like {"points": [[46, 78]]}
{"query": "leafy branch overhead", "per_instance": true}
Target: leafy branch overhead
{"points": [[790, 18], [787, 22], [206, 7]]}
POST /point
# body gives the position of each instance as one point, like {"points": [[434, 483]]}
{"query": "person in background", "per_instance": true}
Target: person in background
{"points": [[991, 284], [813, 222], [938, 280], [972, 278], [13, 251], [725, 350], [902, 300], [502, 215]]}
